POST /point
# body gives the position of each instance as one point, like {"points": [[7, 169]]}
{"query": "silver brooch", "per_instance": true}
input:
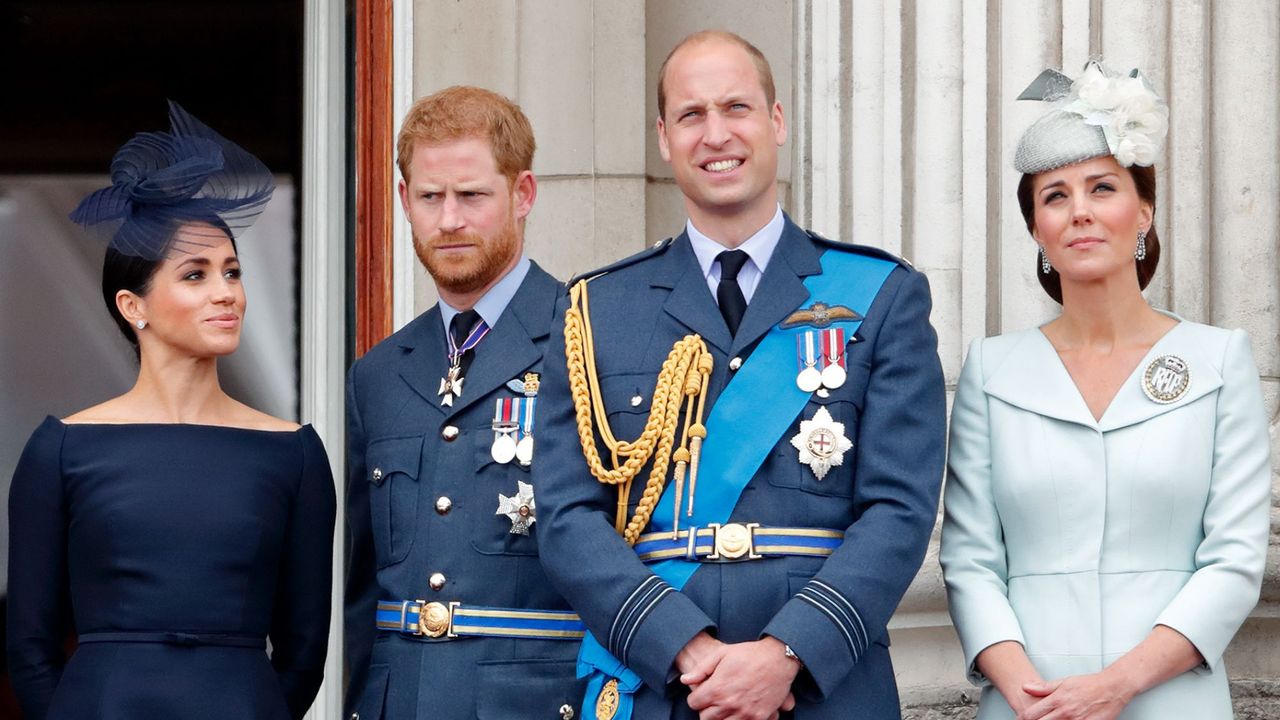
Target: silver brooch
{"points": [[1166, 379]]}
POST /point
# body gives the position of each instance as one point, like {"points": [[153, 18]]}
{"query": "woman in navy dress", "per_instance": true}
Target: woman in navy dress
{"points": [[174, 529]]}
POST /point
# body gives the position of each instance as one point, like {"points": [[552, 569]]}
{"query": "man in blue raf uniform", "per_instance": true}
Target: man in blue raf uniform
{"points": [[798, 438], [448, 612]]}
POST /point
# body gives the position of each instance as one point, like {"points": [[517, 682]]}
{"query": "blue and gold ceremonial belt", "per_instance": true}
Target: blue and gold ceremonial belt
{"points": [[446, 621], [736, 542]]}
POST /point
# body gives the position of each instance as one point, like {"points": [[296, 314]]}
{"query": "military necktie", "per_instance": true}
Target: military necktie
{"points": [[462, 327], [733, 304]]}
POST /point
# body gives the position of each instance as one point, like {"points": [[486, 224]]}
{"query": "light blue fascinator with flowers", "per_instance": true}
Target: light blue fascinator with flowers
{"points": [[190, 177], [1099, 113]]}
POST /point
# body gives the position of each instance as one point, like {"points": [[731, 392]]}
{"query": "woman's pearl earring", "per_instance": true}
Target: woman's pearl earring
{"points": [[141, 324]]}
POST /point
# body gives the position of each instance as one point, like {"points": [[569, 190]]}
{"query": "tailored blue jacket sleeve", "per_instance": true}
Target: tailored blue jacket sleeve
{"points": [[361, 596], [637, 616], [300, 623], [39, 606], [901, 448]]}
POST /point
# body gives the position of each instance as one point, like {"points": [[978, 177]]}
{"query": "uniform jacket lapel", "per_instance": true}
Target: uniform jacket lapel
{"points": [[781, 289], [690, 301], [423, 364]]}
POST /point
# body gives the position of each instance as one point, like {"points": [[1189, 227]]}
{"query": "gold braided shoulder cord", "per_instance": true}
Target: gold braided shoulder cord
{"points": [[681, 381]]}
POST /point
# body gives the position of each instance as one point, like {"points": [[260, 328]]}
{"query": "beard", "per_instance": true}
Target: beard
{"points": [[464, 273]]}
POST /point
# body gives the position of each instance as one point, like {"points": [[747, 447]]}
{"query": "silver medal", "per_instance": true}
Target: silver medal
{"points": [[524, 450], [833, 376], [809, 379], [504, 448]]}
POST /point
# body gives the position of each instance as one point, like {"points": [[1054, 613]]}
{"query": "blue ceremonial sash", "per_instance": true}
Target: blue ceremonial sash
{"points": [[748, 417]]}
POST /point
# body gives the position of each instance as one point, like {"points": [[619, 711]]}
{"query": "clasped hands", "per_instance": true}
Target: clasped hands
{"points": [[1079, 697], [737, 681]]}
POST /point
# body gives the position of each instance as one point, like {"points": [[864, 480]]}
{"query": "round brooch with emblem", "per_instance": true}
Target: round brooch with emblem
{"points": [[1166, 379]]}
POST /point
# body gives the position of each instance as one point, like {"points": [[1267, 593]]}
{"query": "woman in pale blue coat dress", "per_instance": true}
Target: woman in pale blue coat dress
{"points": [[1108, 486]]}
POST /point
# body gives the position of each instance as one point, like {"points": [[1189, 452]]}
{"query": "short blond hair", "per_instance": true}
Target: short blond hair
{"points": [[461, 112], [757, 58]]}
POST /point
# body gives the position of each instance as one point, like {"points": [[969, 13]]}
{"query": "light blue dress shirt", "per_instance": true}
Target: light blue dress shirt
{"points": [[759, 248], [491, 304]]}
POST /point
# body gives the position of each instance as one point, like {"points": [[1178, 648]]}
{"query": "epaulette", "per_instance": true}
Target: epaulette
{"points": [[861, 249], [656, 249]]}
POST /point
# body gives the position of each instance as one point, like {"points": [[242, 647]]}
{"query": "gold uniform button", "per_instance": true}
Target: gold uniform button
{"points": [[449, 433], [443, 505], [437, 581], [566, 712], [377, 474], [735, 363]]}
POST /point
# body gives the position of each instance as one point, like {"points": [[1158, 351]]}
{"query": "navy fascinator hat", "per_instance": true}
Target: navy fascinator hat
{"points": [[162, 181]]}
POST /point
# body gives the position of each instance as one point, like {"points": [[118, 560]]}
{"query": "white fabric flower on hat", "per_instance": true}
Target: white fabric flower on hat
{"points": [[1132, 117]]}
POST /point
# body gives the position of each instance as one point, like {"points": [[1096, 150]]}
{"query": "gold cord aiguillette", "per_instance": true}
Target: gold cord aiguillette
{"points": [[682, 381]]}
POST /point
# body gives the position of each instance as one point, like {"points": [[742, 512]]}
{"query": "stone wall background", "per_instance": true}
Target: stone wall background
{"points": [[903, 124]]}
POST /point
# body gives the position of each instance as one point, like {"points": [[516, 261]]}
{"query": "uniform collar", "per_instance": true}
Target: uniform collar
{"points": [[492, 303], [759, 247]]}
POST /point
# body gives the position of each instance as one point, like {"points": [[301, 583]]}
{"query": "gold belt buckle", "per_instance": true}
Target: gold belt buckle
{"points": [[435, 619], [734, 541]]}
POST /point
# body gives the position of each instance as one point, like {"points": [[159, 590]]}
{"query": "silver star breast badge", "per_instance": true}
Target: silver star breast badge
{"points": [[821, 443], [519, 508]]}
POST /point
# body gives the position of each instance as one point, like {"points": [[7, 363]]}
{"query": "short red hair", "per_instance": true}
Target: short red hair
{"points": [[469, 112]]}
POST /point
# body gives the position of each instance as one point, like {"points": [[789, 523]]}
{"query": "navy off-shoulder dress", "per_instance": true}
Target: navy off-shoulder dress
{"points": [[176, 550]]}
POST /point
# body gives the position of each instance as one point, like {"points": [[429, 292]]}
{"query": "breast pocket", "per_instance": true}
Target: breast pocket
{"points": [[823, 441], [491, 531], [393, 495], [627, 400]]}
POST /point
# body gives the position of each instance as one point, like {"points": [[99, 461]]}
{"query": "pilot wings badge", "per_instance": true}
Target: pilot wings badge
{"points": [[819, 315]]}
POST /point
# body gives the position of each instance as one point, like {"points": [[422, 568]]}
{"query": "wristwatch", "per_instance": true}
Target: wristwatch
{"points": [[788, 652]]}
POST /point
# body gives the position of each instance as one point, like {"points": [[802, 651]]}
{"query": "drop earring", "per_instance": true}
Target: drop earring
{"points": [[1140, 252], [1045, 267]]}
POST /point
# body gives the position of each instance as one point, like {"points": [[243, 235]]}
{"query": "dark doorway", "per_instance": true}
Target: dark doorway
{"points": [[82, 76]]}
